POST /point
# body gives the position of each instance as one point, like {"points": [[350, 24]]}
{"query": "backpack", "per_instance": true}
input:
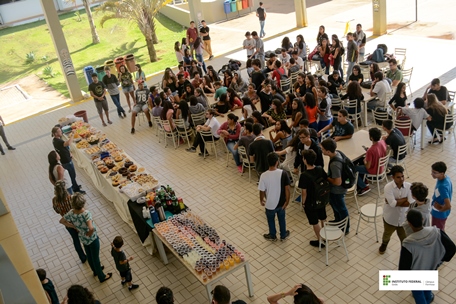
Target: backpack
{"points": [[348, 170], [321, 188]]}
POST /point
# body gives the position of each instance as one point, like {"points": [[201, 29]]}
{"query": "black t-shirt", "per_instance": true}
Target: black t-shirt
{"points": [[261, 148], [284, 181], [265, 100], [441, 94], [398, 101], [257, 79], [261, 13], [50, 289], [342, 130], [306, 182], [97, 88], [301, 90], [313, 146], [64, 152], [181, 87], [394, 140], [354, 77], [205, 30]]}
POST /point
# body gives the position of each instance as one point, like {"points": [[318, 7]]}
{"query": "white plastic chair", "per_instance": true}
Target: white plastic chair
{"points": [[208, 142], [352, 104], [335, 102], [406, 78], [183, 131], [370, 212], [379, 116], [333, 232], [169, 134], [402, 150], [353, 192], [381, 172], [159, 128], [199, 119], [246, 161], [449, 118], [285, 85]]}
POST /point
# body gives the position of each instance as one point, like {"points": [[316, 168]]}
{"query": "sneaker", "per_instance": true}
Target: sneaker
{"points": [[287, 234], [192, 150], [124, 114], [132, 131], [364, 191], [11, 148], [123, 282], [133, 286], [316, 243], [382, 249], [240, 169], [150, 125], [270, 237], [210, 57]]}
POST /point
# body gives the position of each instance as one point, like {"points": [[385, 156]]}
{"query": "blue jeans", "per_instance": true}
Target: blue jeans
{"points": [[70, 167], [350, 69], [230, 146], [116, 100], [422, 296], [362, 171], [93, 257], [201, 61], [270, 215], [77, 244], [313, 125], [337, 202], [262, 33]]}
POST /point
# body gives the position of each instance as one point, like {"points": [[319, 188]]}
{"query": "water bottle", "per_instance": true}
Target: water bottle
{"points": [[161, 212], [154, 216], [145, 213]]}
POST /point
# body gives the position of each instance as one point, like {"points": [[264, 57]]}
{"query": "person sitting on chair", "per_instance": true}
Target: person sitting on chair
{"points": [[141, 104]]}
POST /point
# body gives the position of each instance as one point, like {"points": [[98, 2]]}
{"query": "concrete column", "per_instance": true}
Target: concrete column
{"points": [[61, 49], [196, 12], [379, 17], [301, 13]]}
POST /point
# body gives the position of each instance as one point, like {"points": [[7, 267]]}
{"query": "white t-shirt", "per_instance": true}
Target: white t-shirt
{"points": [[214, 125], [284, 58], [381, 89], [300, 62], [249, 43], [249, 110], [416, 115], [271, 183]]}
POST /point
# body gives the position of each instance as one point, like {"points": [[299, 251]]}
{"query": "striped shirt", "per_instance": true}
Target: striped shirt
{"points": [[62, 208]]}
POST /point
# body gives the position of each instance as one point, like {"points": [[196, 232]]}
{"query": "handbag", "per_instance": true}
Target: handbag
{"points": [[312, 54]]}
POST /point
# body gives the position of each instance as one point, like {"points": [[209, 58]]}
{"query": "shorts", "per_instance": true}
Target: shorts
{"points": [[101, 105], [139, 107], [127, 90], [126, 275], [314, 215]]}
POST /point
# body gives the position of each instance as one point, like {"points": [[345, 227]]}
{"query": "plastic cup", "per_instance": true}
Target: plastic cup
{"points": [[204, 278], [231, 260], [226, 263]]}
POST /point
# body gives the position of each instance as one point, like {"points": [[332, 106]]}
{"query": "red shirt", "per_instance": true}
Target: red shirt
{"points": [[276, 75], [192, 34], [373, 154]]}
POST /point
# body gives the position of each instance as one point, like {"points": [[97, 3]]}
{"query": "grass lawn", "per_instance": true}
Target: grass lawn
{"points": [[118, 38]]}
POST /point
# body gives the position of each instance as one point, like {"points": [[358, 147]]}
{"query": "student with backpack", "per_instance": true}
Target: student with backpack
{"points": [[341, 177], [315, 193]]}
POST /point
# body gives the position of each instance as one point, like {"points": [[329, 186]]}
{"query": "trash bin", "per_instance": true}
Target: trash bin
{"points": [[100, 72], [239, 5], [233, 6], [82, 114], [130, 63], [88, 70], [227, 7], [118, 62], [245, 4], [112, 66]]}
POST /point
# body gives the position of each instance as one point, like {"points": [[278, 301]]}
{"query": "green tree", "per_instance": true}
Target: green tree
{"points": [[141, 12], [93, 29]]}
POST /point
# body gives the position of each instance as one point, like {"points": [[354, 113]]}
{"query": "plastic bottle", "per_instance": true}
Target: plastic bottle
{"points": [[154, 216], [181, 203], [161, 212], [145, 213]]}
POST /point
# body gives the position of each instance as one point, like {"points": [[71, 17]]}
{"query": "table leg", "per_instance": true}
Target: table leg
{"points": [[209, 290], [248, 278], [161, 249], [365, 114], [423, 133]]}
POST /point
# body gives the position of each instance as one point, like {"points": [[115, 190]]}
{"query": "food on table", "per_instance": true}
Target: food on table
{"points": [[128, 164], [141, 169], [104, 169], [93, 150], [115, 183], [132, 168], [118, 158], [83, 144], [110, 146]]}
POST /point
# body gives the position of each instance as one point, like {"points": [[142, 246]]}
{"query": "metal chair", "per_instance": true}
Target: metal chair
{"points": [[141, 116], [405, 126], [159, 128], [336, 102], [285, 85], [400, 54], [379, 116], [208, 139], [294, 78], [449, 119], [228, 153], [170, 133], [402, 151], [370, 212], [406, 78], [353, 192], [245, 161], [325, 135], [183, 131], [365, 70], [352, 104], [199, 119], [381, 172], [333, 232]]}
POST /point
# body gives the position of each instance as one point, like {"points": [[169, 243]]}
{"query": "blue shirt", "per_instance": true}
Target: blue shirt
{"points": [[443, 190]]}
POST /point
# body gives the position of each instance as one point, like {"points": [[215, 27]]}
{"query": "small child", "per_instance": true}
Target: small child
{"points": [[48, 287], [422, 204], [121, 261]]}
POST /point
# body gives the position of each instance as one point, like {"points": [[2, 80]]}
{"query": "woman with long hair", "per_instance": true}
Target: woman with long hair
{"points": [[207, 86], [78, 294], [354, 92], [321, 34], [290, 152], [62, 205], [184, 45], [286, 44], [300, 47], [179, 53], [298, 112], [199, 49], [81, 219], [169, 80], [201, 97], [182, 112], [324, 51], [227, 78], [438, 112], [311, 109], [189, 90], [310, 85], [222, 106], [275, 113], [248, 107], [336, 53], [399, 98], [373, 68], [282, 133], [234, 100], [257, 118], [213, 74], [140, 75], [230, 131], [252, 93], [323, 108], [287, 104], [301, 293], [188, 58], [300, 85], [128, 88], [167, 113], [57, 172]]}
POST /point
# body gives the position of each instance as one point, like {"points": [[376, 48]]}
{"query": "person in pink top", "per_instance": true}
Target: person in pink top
{"points": [[167, 114], [373, 154]]}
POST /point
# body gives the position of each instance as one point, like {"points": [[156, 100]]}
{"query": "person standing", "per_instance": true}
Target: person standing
{"points": [[192, 34], [112, 85], [261, 14], [337, 192], [441, 200], [274, 187], [259, 49], [63, 148], [249, 45], [259, 150], [425, 249], [361, 42], [204, 32], [307, 143], [352, 54], [398, 198], [5, 140], [97, 90]]}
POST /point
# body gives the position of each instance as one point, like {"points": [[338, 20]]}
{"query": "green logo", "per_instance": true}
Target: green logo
{"points": [[386, 280]]}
